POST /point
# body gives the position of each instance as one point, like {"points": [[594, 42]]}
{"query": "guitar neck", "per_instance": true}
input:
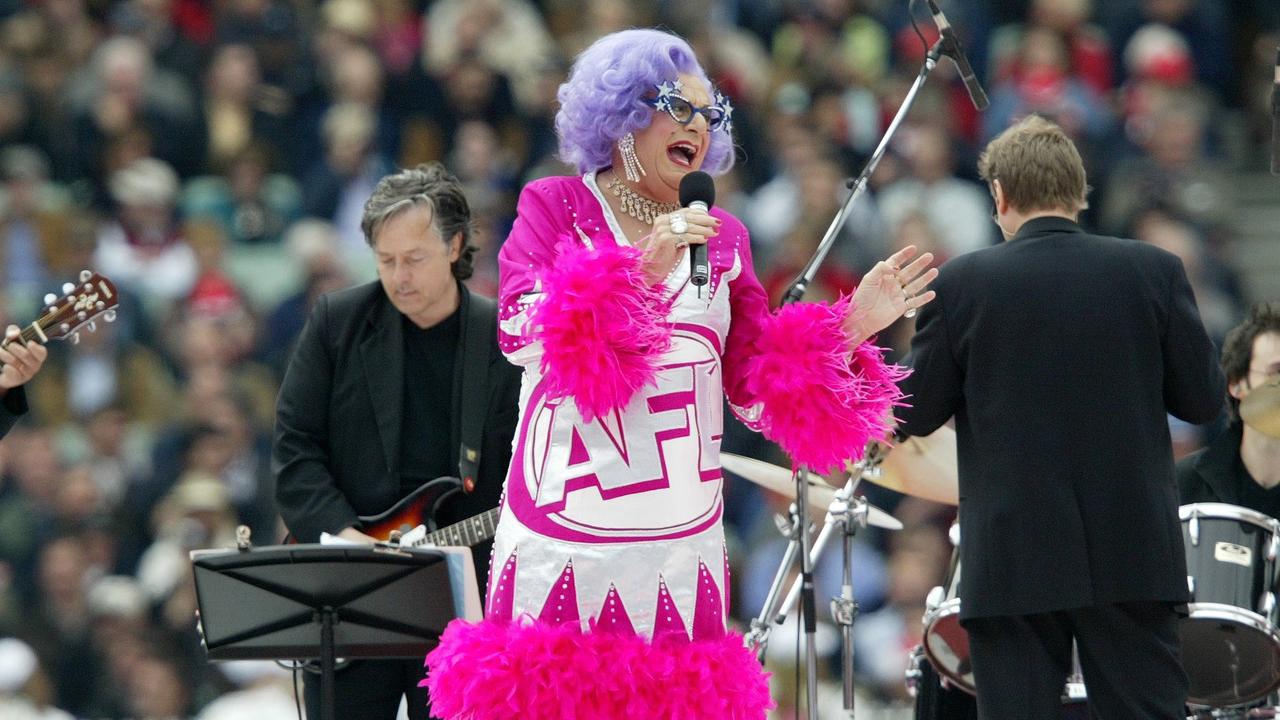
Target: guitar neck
{"points": [[469, 532], [30, 333]]}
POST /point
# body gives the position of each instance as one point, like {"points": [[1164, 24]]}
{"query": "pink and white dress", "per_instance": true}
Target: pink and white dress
{"points": [[609, 582]]}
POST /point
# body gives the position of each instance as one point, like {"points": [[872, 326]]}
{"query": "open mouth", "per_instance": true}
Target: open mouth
{"points": [[682, 153]]}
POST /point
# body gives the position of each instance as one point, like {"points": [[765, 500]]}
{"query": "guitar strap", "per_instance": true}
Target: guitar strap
{"points": [[479, 335]]}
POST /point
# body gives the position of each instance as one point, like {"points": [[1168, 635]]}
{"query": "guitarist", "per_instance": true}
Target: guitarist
{"points": [[392, 384], [21, 363]]}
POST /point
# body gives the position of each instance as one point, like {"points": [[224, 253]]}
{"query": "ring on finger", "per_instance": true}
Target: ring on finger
{"points": [[682, 242], [911, 310], [679, 225]]}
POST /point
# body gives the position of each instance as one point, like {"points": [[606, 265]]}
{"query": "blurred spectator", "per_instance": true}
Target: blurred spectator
{"points": [[153, 23], [313, 244], [1042, 81], [1205, 24], [1088, 47], [250, 203], [25, 691], [122, 92], [1175, 171], [338, 185], [264, 692], [959, 211], [30, 210], [508, 36], [1218, 309], [143, 249]]}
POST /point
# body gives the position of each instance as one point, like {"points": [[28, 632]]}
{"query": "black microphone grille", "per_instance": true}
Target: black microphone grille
{"points": [[697, 186]]}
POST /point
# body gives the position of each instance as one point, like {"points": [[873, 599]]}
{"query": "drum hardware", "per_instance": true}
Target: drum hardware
{"points": [[242, 538], [913, 673], [845, 510]]}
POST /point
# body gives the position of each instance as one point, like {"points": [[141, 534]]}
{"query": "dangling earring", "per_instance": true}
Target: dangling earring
{"points": [[630, 163]]}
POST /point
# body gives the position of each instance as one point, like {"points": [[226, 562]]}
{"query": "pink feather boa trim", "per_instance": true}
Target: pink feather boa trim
{"points": [[602, 327], [535, 671], [818, 404]]}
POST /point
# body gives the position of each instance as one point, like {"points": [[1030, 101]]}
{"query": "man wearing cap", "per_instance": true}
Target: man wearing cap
{"points": [[392, 384], [21, 362]]}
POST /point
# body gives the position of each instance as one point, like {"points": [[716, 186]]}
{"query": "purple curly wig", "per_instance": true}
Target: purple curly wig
{"points": [[601, 100]]}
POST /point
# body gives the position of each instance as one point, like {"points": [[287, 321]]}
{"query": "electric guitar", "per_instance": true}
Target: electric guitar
{"points": [[419, 508], [80, 305]]}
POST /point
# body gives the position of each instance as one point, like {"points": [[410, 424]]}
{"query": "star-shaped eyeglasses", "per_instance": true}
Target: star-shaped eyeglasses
{"points": [[683, 111]]}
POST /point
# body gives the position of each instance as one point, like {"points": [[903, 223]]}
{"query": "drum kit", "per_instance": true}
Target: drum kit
{"points": [[1230, 637]]}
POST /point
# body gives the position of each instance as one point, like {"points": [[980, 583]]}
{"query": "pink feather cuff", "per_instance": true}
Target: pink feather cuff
{"points": [[601, 325], [819, 404], [538, 671]]}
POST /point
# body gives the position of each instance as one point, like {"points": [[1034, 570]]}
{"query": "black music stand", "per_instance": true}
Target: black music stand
{"points": [[325, 601]]}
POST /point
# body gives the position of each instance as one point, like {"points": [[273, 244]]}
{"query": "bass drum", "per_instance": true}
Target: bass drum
{"points": [[1230, 644]]}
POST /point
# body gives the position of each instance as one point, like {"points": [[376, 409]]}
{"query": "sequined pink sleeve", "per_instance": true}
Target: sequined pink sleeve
{"points": [[529, 248]]}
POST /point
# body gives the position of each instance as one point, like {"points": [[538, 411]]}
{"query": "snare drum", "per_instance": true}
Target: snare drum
{"points": [[1230, 644]]}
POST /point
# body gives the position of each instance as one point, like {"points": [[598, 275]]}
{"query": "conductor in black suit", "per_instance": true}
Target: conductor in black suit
{"points": [[1059, 354], [394, 383]]}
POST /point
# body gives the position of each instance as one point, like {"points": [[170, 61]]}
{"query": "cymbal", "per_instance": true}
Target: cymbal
{"points": [[1260, 409], [778, 479], [923, 467]]}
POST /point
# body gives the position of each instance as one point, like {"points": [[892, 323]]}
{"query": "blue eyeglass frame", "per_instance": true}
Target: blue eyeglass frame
{"points": [[715, 115]]}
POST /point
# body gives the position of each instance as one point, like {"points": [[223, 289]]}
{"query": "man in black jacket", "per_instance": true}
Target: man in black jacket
{"points": [[392, 384], [1059, 354], [1241, 466], [21, 361]]}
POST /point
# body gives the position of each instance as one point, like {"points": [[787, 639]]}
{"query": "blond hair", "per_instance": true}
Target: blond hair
{"points": [[1038, 167]]}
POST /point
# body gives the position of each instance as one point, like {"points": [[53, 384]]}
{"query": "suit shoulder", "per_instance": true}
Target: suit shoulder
{"points": [[341, 303], [1144, 251]]}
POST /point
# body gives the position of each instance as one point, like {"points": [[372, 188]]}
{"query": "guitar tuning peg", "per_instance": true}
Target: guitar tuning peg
{"points": [[67, 288], [85, 275], [50, 298], [75, 338], [110, 315]]}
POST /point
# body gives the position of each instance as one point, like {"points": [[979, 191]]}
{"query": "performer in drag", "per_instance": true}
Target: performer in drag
{"points": [[609, 585]]}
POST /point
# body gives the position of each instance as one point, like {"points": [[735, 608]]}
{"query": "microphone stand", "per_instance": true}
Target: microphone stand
{"points": [[844, 610], [859, 184]]}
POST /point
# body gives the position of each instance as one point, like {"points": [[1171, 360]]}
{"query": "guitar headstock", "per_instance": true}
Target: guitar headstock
{"points": [[80, 305]]}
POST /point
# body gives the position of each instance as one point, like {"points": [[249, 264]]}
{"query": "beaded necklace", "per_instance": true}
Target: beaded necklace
{"points": [[638, 206]]}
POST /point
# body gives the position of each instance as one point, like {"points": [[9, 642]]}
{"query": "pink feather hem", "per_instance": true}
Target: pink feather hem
{"points": [[821, 406], [601, 325], [537, 671]]}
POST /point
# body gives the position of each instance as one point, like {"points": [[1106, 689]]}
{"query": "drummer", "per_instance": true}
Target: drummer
{"points": [[1242, 466]]}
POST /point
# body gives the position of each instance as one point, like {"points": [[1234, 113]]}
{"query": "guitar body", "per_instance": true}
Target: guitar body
{"points": [[419, 508]]}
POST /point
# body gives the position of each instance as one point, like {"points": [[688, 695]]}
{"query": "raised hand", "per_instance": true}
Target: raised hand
{"points": [[890, 290]]}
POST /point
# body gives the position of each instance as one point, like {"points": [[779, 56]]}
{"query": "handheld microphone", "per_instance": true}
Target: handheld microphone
{"points": [[1275, 119], [698, 190], [952, 48]]}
